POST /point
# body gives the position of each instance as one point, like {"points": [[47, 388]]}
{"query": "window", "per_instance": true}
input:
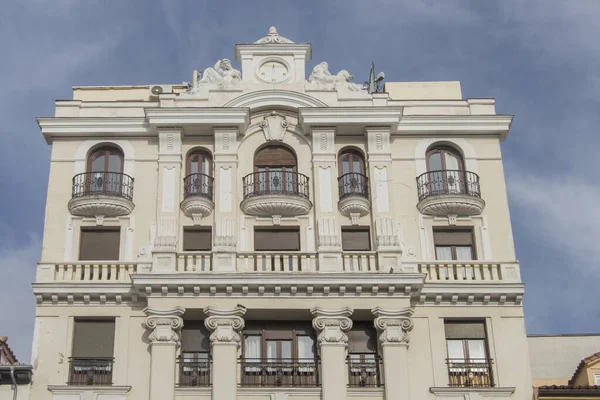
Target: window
{"points": [[99, 244], [455, 244], [279, 354], [197, 239], [363, 361], [105, 171], [271, 239], [468, 361], [275, 171], [93, 347], [199, 179], [597, 379], [352, 179], [446, 172], [356, 239], [194, 362]]}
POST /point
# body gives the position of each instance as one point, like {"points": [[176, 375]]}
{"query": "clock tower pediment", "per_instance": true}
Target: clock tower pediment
{"points": [[273, 59]]}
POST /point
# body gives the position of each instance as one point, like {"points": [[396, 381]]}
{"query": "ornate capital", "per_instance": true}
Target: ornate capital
{"points": [[393, 325], [224, 324], [332, 325], [164, 324]]}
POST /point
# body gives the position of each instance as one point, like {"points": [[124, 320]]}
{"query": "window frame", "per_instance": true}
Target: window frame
{"points": [[264, 328], [366, 229], [351, 153], [99, 229], [442, 150], [206, 156], [282, 169], [454, 246]]}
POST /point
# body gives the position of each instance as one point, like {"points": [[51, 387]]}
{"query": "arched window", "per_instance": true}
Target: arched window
{"points": [[199, 179], [445, 170], [352, 179], [105, 171], [275, 170]]}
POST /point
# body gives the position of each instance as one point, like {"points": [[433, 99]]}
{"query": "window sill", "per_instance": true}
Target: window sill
{"points": [[71, 390], [497, 392]]}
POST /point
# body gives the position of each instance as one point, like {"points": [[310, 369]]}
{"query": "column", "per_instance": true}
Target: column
{"points": [[226, 207], [329, 234], [387, 242], [164, 252], [225, 341], [332, 340], [164, 326], [393, 327]]}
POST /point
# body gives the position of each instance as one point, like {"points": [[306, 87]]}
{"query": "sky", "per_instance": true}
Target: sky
{"points": [[539, 58]]}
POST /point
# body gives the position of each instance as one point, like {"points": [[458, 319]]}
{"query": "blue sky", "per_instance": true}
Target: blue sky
{"points": [[539, 59]]}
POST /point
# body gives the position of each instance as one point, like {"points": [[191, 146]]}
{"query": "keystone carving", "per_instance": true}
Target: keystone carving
{"points": [[164, 324], [393, 326], [225, 325], [332, 325], [274, 126]]}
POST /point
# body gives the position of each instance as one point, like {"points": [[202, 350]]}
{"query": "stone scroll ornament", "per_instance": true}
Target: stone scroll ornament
{"points": [[343, 79], [274, 126], [222, 75], [332, 325], [394, 326], [164, 324], [225, 325]]}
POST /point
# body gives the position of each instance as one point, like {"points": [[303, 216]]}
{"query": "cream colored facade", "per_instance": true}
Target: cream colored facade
{"points": [[398, 286]]}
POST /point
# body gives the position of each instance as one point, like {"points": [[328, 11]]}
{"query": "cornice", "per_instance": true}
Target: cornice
{"points": [[52, 127], [439, 125], [350, 116]]}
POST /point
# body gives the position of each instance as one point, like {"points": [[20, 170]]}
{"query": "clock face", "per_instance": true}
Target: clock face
{"points": [[273, 72]]}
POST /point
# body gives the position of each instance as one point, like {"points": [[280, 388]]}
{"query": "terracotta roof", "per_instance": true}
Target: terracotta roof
{"points": [[575, 391], [584, 363], [6, 352]]}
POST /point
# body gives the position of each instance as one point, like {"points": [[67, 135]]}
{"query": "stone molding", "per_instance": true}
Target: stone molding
{"points": [[225, 325], [164, 323], [332, 325], [393, 326]]}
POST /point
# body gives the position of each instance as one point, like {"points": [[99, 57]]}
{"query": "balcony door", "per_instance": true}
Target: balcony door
{"points": [[198, 180], [446, 172], [352, 178], [105, 166], [275, 171]]}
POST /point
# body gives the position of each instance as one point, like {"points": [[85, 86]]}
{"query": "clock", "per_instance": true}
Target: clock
{"points": [[273, 72]]}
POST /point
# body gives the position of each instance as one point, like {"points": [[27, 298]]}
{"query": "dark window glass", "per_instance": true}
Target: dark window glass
{"points": [[99, 244], [197, 239], [286, 239], [356, 239]]}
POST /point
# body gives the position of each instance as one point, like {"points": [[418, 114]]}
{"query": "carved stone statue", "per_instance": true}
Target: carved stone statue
{"points": [[321, 75], [222, 74]]}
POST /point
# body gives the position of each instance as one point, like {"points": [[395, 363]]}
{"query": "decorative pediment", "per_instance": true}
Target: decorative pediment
{"points": [[273, 38], [274, 126]]}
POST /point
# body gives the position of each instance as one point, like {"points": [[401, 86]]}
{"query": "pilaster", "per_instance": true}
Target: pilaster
{"points": [[329, 243], [332, 340], [169, 188], [394, 327], [226, 165], [225, 340], [164, 327], [379, 153]]}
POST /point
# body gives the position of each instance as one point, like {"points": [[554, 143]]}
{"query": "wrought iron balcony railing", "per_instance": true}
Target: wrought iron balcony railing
{"points": [[364, 370], [84, 371], [470, 372], [103, 184], [198, 185], [194, 370], [448, 181], [286, 183], [302, 372], [353, 184]]}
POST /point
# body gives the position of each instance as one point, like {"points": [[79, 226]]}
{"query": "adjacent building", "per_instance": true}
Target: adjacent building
{"points": [[278, 232], [14, 376]]}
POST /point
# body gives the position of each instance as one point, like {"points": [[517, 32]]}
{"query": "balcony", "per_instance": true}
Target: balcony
{"points": [[364, 370], [197, 196], [194, 371], [85, 371], [101, 194], [279, 373], [354, 196], [276, 194], [449, 192], [473, 372]]}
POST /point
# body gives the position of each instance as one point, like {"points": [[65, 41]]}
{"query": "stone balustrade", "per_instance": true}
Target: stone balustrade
{"points": [[92, 271], [191, 261], [276, 262], [460, 271], [359, 261]]}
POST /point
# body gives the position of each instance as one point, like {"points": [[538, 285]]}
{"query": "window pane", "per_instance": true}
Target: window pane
{"points": [[451, 161], [271, 349], [114, 163], [252, 349], [464, 253], [476, 349], [194, 165], [286, 350], [435, 162], [455, 349], [345, 165], [98, 163], [305, 347], [356, 165], [443, 253]]}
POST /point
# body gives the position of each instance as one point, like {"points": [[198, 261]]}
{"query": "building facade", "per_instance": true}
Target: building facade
{"points": [[257, 234]]}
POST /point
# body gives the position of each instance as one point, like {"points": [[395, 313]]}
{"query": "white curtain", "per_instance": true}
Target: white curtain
{"points": [[252, 352], [306, 353]]}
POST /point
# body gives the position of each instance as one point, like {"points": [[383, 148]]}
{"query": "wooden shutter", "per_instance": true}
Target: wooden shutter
{"points": [[275, 156], [195, 337], [453, 237], [356, 240], [197, 239], [362, 338], [100, 244], [464, 329], [279, 331], [94, 338], [277, 239]]}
